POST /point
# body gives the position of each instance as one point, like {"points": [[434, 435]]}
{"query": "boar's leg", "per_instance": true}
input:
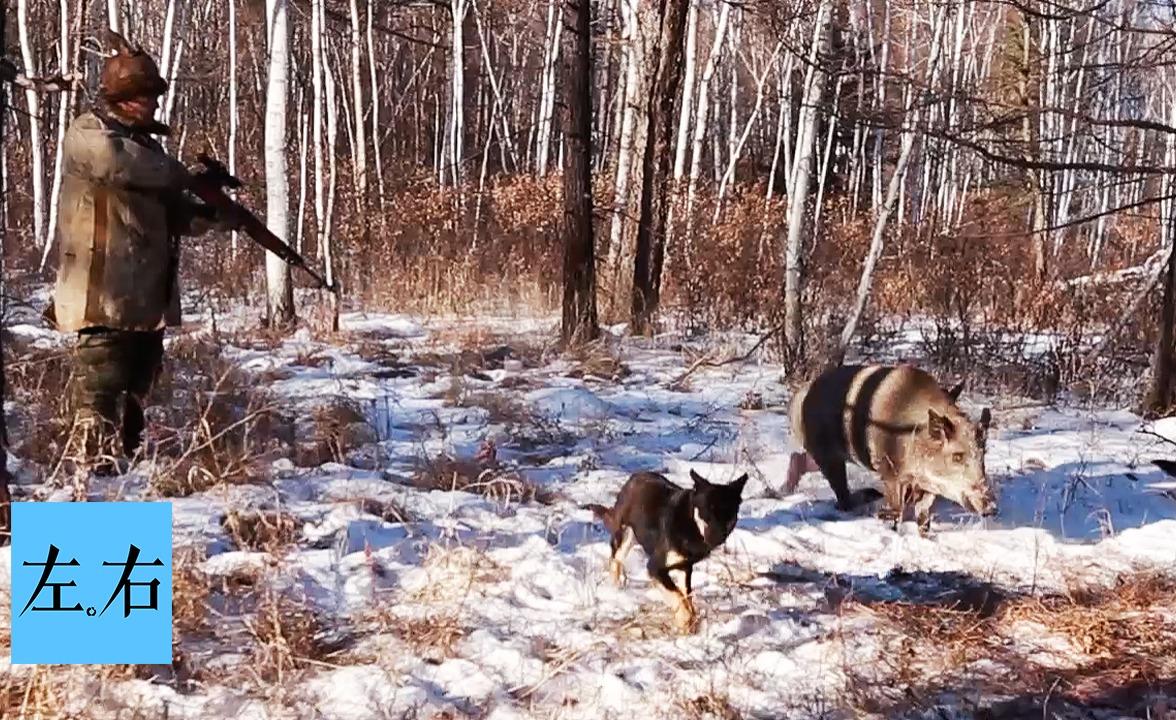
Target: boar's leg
{"points": [[834, 472], [894, 494], [798, 464], [923, 502]]}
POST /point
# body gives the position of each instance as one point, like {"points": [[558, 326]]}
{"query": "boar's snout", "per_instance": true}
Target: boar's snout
{"points": [[983, 503]]}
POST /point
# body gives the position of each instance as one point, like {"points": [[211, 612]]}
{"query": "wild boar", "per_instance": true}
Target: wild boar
{"points": [[898, 422]]}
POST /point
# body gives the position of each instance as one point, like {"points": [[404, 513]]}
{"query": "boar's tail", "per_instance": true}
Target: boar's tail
{"points": [[606, 516]]}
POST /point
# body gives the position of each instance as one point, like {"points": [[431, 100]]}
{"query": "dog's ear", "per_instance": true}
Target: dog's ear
{"points": [[738, 484], [699, 481]]}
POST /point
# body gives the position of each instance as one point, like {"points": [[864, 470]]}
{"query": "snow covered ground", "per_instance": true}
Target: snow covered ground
{"points": [[478, 605]]}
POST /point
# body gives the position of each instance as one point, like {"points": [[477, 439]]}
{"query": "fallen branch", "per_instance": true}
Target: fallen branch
{"points": [[1117, 276], [705, 360]]}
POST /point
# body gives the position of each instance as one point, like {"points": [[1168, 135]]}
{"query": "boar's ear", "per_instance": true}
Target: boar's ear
{"points": [[118, 44], [739, 483], [938, 426], [954, 393], [982, 428], [699, 481], [986, 418]]}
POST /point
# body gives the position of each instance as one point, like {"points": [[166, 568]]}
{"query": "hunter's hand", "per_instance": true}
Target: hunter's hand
{"points": [[232, 218]]}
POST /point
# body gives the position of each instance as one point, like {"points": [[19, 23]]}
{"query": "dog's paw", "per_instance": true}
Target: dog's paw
{"points": [[686, 619], [617, 571]]}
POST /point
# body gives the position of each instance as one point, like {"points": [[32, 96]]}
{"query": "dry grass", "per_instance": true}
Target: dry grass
{"points": [[452, 573], [432, 636], [338, 426], [262, 530], [217, 427], [37, 382], [386, 510], [598, 360], [501, 486], [65, 692], [1100, 642], [285, 636], [712, 706], [190, 593]]}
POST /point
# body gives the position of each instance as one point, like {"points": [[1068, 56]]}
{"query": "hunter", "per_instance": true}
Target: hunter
{"points": [[123, 209]]}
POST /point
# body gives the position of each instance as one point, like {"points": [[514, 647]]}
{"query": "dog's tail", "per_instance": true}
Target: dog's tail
{"points": [[606, 516]]}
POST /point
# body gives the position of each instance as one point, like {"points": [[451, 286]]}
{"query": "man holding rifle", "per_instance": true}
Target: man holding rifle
{"points": [[123, 210]]}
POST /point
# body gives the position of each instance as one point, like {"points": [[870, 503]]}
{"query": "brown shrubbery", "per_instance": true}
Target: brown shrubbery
{"points": [[430, 250]]}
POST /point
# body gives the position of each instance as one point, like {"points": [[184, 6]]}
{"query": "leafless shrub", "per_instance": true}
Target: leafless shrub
{"points": [[712, 706], [286, 635], [1121, 636], [502, 486], [263, 530], [190, 593]]}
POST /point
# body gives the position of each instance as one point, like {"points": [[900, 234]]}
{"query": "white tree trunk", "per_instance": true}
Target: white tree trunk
{"points": [[165, 53], [279, 290], [36, 141], [551, 48], [687, 91], [114, 15], [892, 190], [64, 104], [701, 115], [456, 129], [798, 197], [633, 59], [376, 154], [333, 180], [234, 116], [316, 72], [360, 139], [303, 152]]}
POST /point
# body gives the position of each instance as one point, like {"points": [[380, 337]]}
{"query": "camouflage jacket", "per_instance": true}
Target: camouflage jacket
{"points": [[122, 212]]}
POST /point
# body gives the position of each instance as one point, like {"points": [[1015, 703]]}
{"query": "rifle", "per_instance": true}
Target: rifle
{"points": [[209, 184]]}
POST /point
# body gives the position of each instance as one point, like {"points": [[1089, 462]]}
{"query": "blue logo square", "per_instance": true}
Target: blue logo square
{"points": [[92, 583]]}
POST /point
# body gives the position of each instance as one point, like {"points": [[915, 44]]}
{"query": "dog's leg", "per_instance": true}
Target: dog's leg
{"points": [[621, 545], [675, 583]]}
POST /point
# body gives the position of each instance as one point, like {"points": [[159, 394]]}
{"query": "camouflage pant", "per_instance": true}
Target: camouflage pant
{"points": [[113, 367]]}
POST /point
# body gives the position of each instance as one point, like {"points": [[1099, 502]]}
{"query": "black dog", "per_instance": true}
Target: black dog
{"points": [[675, 526]]}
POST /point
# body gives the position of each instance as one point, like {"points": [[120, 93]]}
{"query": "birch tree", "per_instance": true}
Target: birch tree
{"points": [[279, 289], [896, 179], [360, 140], [799, 187], [36, 141], [234, 116], [632, 60], [657, 164], [63, 118], [455, 129]]}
